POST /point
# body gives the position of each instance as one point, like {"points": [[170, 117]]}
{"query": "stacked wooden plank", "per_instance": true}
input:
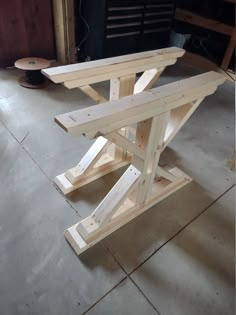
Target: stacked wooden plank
{"points": [[81, 74]]}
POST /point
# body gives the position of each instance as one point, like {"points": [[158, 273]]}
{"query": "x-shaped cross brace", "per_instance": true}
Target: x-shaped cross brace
{"points": [[157, 115]]}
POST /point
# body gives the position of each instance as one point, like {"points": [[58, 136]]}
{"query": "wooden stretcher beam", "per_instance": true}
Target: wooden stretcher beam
{"points": [[103, 119], [114, 65], [70, 84]]}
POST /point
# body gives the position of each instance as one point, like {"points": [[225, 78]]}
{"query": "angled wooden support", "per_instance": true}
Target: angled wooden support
{"points": [[121, 71], [147, 79], [179, 116], [93, 94], [158, 115], [103, 214]]}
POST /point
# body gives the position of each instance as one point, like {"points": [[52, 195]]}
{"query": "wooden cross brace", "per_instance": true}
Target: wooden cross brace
{"points": [[106, 155], [157, 115]]}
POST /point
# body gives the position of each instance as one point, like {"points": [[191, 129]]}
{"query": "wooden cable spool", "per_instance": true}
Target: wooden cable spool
{"points": [[33, 78]]}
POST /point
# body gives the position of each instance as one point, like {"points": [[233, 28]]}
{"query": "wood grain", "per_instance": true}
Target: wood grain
{"points": [[26, 29]]}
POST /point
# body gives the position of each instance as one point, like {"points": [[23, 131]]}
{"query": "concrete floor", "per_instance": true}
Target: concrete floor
{"points": [[176, 259]]}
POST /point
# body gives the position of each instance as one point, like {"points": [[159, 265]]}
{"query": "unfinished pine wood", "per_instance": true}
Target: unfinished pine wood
{"points": [[117, 152], [63, 11], [161, 172], [123, 142], [102, 215], [103, 119], [70, 84], [111, 68], [127, 212], [147, 79], [115, 155], [159, 114], [88, 161], [93, 94], [109, 165], [178, 117], [119, 88]]}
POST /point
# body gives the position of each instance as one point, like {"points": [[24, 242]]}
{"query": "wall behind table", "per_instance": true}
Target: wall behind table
{"points": [[26, 29]]}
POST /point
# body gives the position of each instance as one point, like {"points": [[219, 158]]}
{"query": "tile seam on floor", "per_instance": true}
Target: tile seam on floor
{"points": [[25, 136], [182, 229], [141, 291], [28, 154], [128, 276], [23, 148], [100, 299]]}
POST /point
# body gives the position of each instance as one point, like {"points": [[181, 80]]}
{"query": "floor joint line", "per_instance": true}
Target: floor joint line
{"points": [[191, 221], [128, 276], [94, 304], [29, 155]]}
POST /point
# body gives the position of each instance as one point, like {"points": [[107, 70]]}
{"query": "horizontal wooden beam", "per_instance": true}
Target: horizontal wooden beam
{"points": [[197, 20], [119, 73], [102, 119], [81, 71]]}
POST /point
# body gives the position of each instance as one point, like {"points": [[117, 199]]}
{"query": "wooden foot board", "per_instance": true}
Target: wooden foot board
{"points": [[64, 184], [154, 115], [127, 212]]}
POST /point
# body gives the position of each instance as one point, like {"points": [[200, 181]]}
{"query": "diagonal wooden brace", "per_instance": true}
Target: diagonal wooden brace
{"points": [[121, 71], [118, 156], [102, 215], [159, 114]]}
